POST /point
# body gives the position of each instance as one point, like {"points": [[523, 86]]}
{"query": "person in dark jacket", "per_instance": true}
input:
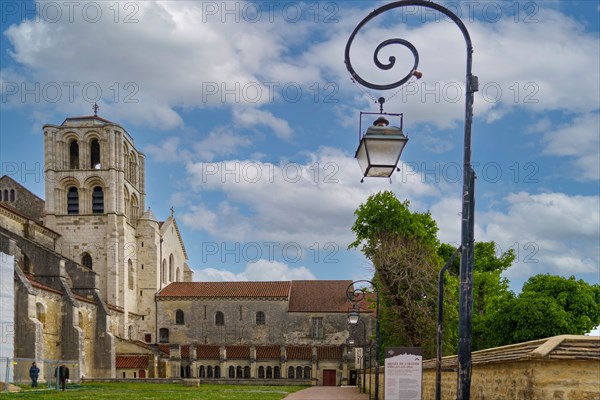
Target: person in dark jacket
{"points": [[34, 373], [62, 373]]}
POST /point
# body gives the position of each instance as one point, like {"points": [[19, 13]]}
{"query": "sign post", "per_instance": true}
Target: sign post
{"points": [[403, 373]]}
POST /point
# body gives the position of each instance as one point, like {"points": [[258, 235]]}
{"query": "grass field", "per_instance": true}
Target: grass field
{"points": [[142, 391]]}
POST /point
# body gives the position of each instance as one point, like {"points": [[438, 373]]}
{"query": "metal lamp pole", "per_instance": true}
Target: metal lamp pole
{"points": [[468, 200], [356, 296], [364, 349]]}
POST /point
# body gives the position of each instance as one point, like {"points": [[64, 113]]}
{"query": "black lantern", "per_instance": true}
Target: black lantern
{"points": [[380, 148]]}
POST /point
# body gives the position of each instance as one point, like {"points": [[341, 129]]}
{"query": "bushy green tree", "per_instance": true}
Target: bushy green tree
{"points": [[548, 305], [401, 244]]}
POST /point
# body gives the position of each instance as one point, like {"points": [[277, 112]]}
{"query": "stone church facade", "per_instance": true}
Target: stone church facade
{"points": [[98, 279]]}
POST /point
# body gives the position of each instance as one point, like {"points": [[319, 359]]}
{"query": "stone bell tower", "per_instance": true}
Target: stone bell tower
{"points": [[95, 193]]}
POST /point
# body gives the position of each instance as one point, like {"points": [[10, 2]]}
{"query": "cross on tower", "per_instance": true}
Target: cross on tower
{"points": [[95, 107]]}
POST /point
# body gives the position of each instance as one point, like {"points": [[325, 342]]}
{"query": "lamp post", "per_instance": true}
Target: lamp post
{"points": [[356, 296], [468, 186], [353, 320]]}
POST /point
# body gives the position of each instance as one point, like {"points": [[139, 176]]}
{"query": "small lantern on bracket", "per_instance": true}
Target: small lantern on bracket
{"points": [[380, 146]]}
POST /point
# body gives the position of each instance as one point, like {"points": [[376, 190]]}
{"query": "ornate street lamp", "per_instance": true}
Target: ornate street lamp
{"points": [[356, 296], [380, 147], [468, 200], [353, 320]]}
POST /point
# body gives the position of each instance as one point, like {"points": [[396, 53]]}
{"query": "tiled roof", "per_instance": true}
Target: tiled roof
{"points": [[329, 353], [319, 296], [237, 352], [89, 117], [39, 285], [124, 362], [207, 351], [268, 352], [165, 349], [185, 351], [299, 353], [226, 289]]}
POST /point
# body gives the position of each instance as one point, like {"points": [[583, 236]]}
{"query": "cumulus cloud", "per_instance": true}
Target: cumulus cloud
{"points": [[261, 270], [306, 202]]}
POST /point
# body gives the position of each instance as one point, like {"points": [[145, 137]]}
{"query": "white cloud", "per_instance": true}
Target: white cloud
{"points": [[304, 203], [549, 232], [164, 152], [249, 117], [261, 270], [579, 140]]}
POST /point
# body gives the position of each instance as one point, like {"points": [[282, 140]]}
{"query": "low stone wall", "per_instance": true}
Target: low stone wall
{"points": [[563, 367], [220, 381]]}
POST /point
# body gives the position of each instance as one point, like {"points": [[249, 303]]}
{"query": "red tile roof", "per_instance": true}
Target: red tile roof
{"points": [[329, 353], [299, 353], [268, 352], [207, 351], [227, 289], [164, 348], [125, 362], [319, 296], [185, 351], [39, 285], [237, 352]]}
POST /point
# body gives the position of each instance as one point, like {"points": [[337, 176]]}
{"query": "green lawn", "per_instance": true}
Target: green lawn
{"points": [[141, 391]]}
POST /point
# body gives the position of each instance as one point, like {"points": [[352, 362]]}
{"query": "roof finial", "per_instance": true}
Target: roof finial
{"points": [[172, 211], [95, 107]]}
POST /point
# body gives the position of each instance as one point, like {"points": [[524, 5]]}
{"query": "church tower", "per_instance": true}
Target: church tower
{"points": [[95, 193]]}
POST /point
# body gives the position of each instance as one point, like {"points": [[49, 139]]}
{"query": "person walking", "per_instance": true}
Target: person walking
{"points": [[34, 373]]}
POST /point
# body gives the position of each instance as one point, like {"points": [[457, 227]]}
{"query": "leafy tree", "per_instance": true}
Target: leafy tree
{"points": [[402, 247], [548, 305]]}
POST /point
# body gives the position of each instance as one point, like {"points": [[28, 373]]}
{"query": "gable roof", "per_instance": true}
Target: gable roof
{"points": [[126, 362], [279, 289], [319, 296], [164, 225]]}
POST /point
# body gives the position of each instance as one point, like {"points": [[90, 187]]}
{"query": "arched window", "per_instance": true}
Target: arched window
{"points": [[163, 335], [306, 372], [133, 205], [260, 318], [291, 373], [163, 271], [130, 332], [247, 372], [261, 372], [298, 372], [40, 313], [277, 373], [95, 154], [130, 275], [74, 155], [27, 264], [239, 372], [12, 195], [81, 323], [231, 371], [73, 200], [179, 317], [98, 200], [171, 268], [219, 318], [209, 372], [1, 195], [177, 275], [86, 260], [269, 372], [201, 372], [217, 372]]}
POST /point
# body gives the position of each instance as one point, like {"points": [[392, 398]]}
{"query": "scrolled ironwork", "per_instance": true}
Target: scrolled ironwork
{"points": [[397, 41], [356, 295]]}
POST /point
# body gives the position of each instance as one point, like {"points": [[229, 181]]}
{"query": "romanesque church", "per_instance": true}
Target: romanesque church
{"points": [[89, 276]]}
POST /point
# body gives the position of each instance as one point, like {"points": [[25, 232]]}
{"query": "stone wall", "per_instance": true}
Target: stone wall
{"points": [[563, 367]]}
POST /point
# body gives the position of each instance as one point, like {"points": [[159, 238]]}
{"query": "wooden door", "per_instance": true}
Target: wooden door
{"points": [[329, 377]]}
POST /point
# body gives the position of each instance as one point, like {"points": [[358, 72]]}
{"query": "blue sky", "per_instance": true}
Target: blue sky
{"points": [[249, 121]]}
